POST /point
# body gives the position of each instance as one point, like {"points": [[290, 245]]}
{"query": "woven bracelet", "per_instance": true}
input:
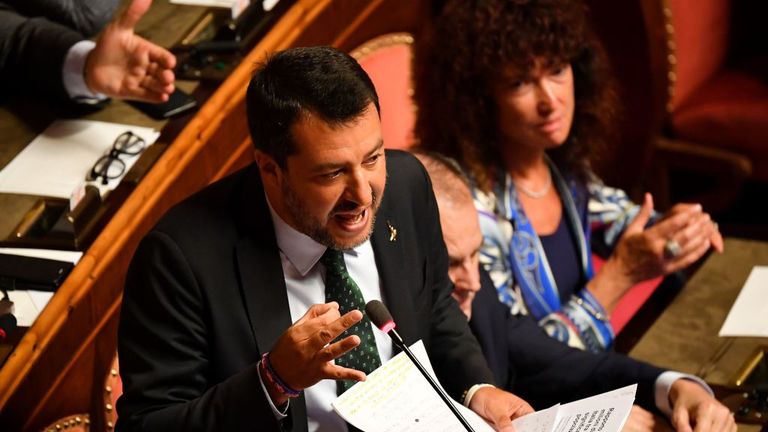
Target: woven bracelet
{"points": [[275, 380]]}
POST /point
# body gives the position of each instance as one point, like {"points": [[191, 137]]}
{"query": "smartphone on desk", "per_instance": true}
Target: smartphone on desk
{"points": [[179, 102]]}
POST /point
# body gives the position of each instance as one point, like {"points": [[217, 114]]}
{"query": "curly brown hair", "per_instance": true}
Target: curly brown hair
{"points": [[466, 49]]}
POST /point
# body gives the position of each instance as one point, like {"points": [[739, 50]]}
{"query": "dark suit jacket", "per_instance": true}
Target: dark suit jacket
{"points": [[32, 52], [205, 296], [543, 371]]}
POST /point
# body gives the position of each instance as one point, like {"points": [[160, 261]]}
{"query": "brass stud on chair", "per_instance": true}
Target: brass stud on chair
{"points": [[113, 372], [672, 59], [110, 426], [108, 407], [108, 389]]}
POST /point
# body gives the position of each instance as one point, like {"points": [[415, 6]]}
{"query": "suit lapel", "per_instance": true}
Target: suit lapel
{"points": [[393, 271], [262, 281]]}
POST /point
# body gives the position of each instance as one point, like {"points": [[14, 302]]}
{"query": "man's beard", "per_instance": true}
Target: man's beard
{"points": [[316, 229]]}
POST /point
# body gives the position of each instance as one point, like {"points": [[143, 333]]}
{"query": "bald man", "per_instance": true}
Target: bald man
{"points": [[526, 361]]}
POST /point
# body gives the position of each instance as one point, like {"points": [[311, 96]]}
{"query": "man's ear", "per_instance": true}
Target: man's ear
{"points": [[268, 167]]}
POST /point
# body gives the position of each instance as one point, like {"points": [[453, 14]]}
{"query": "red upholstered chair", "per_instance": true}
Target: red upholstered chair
{"points": [[113, 388], [387, 60], [694, 97], [720, 97], [73, 423]]}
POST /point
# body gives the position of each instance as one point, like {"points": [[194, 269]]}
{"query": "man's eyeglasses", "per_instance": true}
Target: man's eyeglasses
{"points": [[110, 166]]}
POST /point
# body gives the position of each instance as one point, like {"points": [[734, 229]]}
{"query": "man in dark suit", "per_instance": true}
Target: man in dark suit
{"points": [[43, 50], [528, 362], [234, 301]]}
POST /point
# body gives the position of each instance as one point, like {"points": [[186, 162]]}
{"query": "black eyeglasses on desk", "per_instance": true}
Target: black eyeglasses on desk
{"points": [[110, 166]]}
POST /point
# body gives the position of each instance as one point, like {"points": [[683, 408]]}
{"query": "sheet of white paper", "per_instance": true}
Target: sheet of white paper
{"points": [[58, 255], [539, 421], [396, 397], [59, 159], [27, 305], [605, 412], [747, 315], [269, 4], [206, 3]]}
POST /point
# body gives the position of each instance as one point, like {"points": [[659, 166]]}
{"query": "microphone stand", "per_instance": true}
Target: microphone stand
{"points": [[399, 342]]}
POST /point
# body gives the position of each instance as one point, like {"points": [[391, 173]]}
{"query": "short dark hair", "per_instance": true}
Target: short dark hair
{"points": [[319, 80]]}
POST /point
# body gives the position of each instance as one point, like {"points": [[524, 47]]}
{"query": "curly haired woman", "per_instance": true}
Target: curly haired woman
{"points": [[522, 100]]}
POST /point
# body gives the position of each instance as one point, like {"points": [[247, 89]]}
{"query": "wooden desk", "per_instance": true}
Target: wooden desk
{"points": [[684, 338], [59, 366]]}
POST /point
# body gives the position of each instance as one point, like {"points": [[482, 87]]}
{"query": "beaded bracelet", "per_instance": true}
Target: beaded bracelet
{"points": [[275, 380]]}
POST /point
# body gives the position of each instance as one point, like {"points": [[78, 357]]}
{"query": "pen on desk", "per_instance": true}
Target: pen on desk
{"points": [[29, 219]]}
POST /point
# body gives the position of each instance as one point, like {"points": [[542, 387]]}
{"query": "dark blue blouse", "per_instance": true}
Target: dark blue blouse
{"points": [[560, 250]]}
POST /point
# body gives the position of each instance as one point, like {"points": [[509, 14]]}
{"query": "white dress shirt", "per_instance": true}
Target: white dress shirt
{"points": [[73, 73], [305, 283]]}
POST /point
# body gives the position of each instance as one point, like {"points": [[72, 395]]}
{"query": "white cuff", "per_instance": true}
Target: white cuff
{"points": [[73, 73], [471, 393], [279, 415], [664, 384]]}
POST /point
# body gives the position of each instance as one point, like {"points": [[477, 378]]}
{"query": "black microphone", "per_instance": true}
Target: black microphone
{"points": [[380, 316]]}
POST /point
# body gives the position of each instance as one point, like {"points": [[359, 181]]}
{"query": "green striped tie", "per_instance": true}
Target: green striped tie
{"points": [[340, 287]]}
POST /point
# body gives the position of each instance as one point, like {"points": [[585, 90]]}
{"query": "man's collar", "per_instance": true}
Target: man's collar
{"points": [[300, 249]]}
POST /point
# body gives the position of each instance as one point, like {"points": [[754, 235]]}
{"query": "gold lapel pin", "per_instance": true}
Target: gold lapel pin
{"points": [[392, 232]]}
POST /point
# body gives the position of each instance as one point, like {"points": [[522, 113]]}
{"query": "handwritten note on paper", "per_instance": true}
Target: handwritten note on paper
{"points": [[396, 397], [747, 315]]}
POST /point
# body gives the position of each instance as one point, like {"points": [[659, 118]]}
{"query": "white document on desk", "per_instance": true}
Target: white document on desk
{"points": [[57, 161], [396, 397], [747, 316], [28, 304]]}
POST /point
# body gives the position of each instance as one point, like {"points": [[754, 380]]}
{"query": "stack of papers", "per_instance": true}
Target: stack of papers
{"points": [[396, 397]]}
